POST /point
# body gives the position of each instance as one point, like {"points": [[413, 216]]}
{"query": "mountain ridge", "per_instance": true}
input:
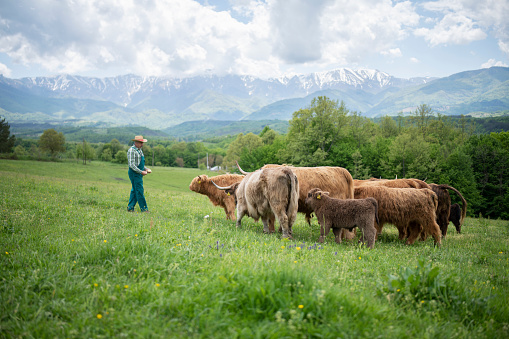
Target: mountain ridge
{"points": [[161, 102]]}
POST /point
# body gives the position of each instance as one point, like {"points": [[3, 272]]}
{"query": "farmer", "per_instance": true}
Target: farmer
{"points": [[137, 169]]}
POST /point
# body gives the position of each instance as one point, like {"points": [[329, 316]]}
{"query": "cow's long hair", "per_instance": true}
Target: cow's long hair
{"points": [[412, 211]]}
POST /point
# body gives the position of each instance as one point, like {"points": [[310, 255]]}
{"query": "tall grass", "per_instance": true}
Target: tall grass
{"points": [[75, 264]]}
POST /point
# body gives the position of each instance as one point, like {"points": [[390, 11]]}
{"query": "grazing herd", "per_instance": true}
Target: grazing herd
{"points": [[416, 208]]}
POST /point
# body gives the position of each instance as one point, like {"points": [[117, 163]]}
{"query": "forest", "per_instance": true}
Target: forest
{"points": [[423, 144]]}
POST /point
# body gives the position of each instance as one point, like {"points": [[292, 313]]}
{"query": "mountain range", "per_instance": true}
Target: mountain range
{"points": [[163, 102]]}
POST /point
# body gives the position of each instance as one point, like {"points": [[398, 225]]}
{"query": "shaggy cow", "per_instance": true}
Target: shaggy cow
{"points": [[265, 193], [444, 199], [203, 184], [411, 210], [344, 213], [444, 207], [336, 180]]}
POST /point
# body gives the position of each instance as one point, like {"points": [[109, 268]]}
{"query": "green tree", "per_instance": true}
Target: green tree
{"points": [[388, 127], [314, 131], [490, 162], [106, 155], [361, 128], [6, 139], [52, 142], [243, 143], [409, 156], [359, 170], [85, 152], [19, 151], [116, 146], [422, 117], [459, 173], [120, 157]]}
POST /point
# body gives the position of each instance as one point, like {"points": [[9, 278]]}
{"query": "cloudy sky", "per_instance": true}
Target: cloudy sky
{"points": [[265, 38]]}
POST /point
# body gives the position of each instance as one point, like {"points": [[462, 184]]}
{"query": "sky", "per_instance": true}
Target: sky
{"points": [[262, 38]]}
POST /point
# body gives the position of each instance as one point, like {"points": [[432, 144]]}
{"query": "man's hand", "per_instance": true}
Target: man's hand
{"points": [[144, 173], [149, 170]]}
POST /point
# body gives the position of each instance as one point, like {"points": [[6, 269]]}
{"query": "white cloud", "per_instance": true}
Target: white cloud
{"points": [[393, 52], [353, 29], [454, 29], [259, 37], [464, 21], [492, 63], [414, 60], [504, 47], [182, 37], [4, 70]]}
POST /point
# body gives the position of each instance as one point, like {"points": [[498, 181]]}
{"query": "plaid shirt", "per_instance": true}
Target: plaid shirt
{"points": [[134, 158]]}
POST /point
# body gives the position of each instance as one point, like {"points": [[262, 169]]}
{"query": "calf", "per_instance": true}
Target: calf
{"points": [[344, 213]]}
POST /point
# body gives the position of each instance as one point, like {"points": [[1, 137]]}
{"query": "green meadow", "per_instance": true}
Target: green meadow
{"points": [[75, 264]]}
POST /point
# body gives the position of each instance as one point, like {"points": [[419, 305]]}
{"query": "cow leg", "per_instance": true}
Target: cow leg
{"points": [[240, 215], [402, 232], [436, 234], [324, 230], [443, 222], [414, 230], [308, 218], [266, 227], [283, 221], [272, 220], [369, 235], [337, 234]]}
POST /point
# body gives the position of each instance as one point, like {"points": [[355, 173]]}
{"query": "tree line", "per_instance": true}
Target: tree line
{"points": [[423, 145]]}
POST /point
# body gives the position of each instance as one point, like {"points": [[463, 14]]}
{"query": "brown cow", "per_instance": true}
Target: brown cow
{"points": [[336, 180], [411, 210], [394, 183], [444, 207], [203, 184], [265, 193], [344, 213]]}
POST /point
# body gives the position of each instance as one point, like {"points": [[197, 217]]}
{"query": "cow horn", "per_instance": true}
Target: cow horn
{"points": [[221, 188], [240, 169]]}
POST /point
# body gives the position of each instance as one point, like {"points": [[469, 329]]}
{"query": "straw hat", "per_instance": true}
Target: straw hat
{"points": [[139, 138]]}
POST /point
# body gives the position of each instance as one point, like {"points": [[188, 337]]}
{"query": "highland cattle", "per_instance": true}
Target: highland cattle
{"points": [[336, 180], [203, 184], [444, 207], [412, 211], [344, 213], [264, 194]]}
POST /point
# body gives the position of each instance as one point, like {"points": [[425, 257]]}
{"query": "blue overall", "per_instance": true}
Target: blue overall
{"points": [[137, 189]]}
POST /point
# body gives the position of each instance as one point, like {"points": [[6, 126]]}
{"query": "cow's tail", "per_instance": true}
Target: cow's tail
{"points": [[463, 202], [293, 190], [375, 203]]}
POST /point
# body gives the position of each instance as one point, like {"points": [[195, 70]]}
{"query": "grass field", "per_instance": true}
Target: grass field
{"points": [[75, 264]]}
